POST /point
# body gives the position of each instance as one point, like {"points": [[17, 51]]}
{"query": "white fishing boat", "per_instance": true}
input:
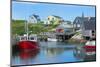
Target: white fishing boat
{"points": [[52, 39]]}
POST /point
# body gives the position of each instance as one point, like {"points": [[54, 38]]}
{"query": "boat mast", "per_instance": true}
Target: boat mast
{"points": [[26, 28]]}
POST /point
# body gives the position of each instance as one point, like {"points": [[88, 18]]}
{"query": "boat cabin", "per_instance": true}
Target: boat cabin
{"points": [[29, 38]]}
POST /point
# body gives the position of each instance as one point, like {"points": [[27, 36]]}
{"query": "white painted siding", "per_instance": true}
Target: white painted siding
{"points": [[87, 33]]}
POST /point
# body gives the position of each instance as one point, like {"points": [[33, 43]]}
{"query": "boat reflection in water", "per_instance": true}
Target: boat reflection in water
{"points": [[28, 54], [24, 57], [86, 56]]}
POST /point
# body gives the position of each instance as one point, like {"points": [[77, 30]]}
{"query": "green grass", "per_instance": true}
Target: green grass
{"points": [[18, 27]]}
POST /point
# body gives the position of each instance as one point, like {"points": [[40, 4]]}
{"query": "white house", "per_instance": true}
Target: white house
{"points": [[34, 18]]}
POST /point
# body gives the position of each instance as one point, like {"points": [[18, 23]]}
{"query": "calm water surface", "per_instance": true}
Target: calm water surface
{"points": [[50, 52]]}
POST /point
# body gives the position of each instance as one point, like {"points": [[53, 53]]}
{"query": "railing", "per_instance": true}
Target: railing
{"points": [[65, 33], [54, 34]]}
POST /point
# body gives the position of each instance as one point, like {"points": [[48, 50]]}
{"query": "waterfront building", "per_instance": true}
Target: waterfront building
{"points": [[64, 27], [89, 28], [87, 25], [55, 20]]}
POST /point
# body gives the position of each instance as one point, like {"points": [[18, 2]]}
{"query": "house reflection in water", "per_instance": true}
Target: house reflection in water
{"points": [[53, 51]]}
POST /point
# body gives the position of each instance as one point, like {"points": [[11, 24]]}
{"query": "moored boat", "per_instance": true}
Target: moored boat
{"points": [[90, 46], [88, 49], [28, 43], [52, 39]]}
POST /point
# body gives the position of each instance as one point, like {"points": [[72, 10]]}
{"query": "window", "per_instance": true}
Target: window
{"points": [[23, 38], [32, 38], [92, 31]]}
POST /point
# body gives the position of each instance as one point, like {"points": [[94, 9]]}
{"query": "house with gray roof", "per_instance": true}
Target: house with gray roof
{"points": [[87, 25], [89, 28], [78, 22]]}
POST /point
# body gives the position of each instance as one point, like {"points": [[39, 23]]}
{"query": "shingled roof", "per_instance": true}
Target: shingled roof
{"points": [[80, 19], [90, 24]]}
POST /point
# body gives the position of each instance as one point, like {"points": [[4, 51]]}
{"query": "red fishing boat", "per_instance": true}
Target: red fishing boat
{"points": [[90, 47], [29, 42]]}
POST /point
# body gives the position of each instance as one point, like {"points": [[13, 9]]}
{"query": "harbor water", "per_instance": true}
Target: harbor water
{"points": [[49, 52]]}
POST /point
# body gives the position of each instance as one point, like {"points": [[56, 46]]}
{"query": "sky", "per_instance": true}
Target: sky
{"points": [[22, 10]]}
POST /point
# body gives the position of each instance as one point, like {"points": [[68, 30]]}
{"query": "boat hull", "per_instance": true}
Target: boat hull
{"points": [[28, 45]]}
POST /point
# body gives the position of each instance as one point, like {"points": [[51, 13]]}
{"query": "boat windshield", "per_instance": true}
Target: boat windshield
{"points": [[23, 38], [31, 38]]}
